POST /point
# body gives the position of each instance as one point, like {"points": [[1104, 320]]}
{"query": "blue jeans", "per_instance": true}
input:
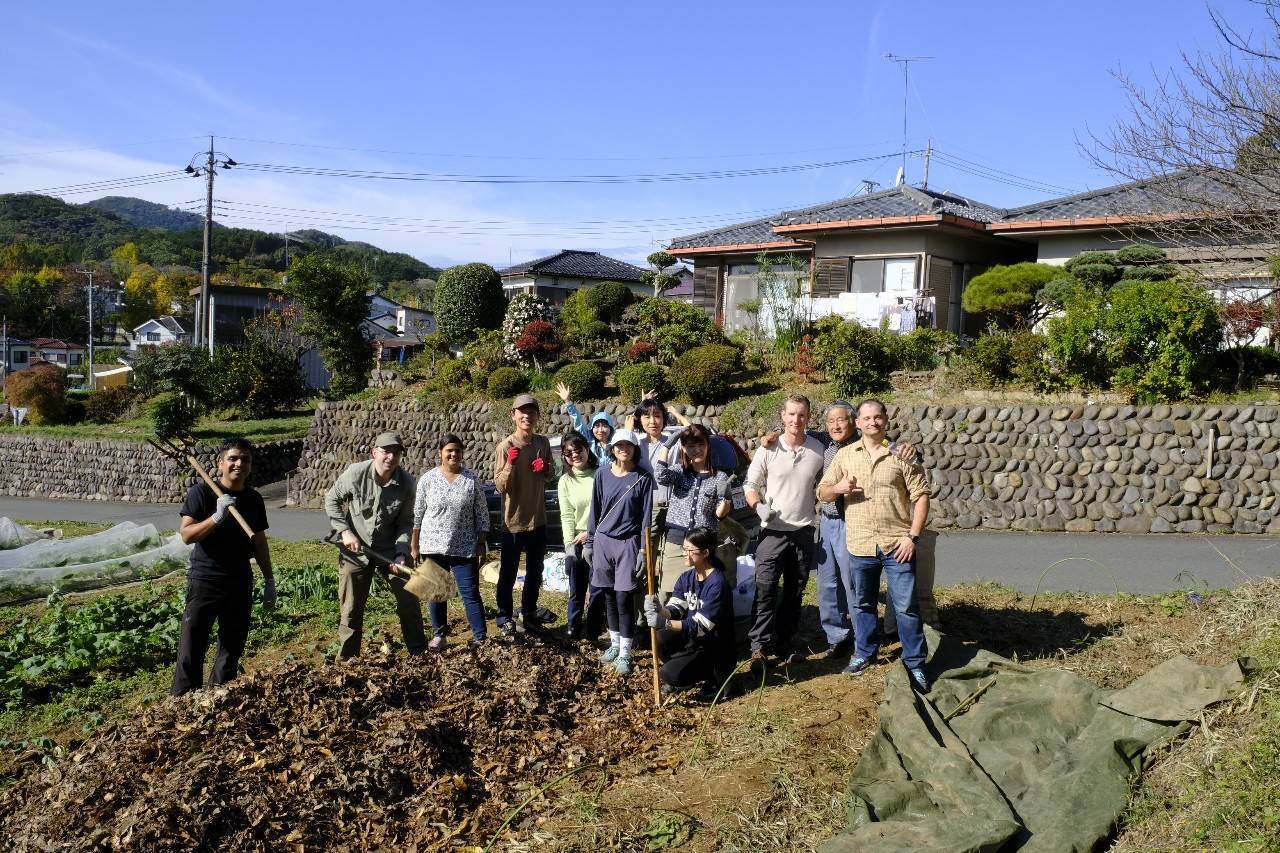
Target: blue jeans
{"points": [[901, 579], [834, 590], [467, 574], [533, 544]]}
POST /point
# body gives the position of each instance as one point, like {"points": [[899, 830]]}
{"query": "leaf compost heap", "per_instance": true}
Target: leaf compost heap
{"points": [[383, 752]]}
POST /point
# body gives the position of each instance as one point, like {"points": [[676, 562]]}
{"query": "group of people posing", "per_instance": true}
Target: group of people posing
{"points": [[846, 503]]}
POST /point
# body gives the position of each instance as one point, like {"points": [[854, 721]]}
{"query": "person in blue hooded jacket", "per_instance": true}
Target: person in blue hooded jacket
{"points": [[597, 433]]}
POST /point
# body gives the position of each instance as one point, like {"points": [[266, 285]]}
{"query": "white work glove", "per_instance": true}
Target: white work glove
{"points": [[765, 512], [653, 613], [268, 593], [225, 503]]}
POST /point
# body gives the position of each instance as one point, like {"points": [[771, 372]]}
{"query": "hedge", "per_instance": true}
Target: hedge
{"points": [[704, 373], [636, 379], [584, 378], [506, 382]]}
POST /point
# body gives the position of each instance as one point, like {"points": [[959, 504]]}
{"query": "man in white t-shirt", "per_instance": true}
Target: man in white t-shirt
{"points": [[780, 488]]}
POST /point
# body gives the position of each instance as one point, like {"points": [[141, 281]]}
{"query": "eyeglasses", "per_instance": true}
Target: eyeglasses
{"points": [[689, 550], [569, 451]]}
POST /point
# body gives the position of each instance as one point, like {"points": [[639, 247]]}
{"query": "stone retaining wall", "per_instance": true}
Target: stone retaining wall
{"points": [[342, 431], [1103, 468], [34, 466]]}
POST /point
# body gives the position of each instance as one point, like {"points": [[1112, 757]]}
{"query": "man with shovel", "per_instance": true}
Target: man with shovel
{"points": [[220, 581], [371, 508]]}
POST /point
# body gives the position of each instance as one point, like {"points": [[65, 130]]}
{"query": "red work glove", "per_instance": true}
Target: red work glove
{"points": [[538, 464], [512, 453]]}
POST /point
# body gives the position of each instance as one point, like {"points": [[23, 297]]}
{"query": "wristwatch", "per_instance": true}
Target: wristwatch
{"points": [[915, 537]]}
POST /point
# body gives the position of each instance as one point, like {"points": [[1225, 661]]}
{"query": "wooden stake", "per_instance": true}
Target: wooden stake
{"points": [[653, 632]]}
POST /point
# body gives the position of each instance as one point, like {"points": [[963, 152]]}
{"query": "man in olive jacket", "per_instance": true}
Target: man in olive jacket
{"points": [[371, 506]]}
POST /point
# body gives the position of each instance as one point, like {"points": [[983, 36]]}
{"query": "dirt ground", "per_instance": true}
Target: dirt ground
{"points": [[536, 746]]}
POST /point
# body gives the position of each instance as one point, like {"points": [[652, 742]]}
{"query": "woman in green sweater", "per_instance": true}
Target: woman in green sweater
{"points": [[575, 488]]}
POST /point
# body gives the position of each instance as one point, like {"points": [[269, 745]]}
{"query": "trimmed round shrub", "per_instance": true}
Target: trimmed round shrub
{"points": [[703, 373], [856, 359], [610, 299], [584, 378], [641, 351], [468, 299], [172, 415], [42, 390], [507, 382], [636, 379], [108, 405], [451, 373]]}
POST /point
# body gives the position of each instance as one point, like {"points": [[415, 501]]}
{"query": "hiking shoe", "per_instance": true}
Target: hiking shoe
{"points": [[508, 629], [437, 643], [610, 654], [476, 643], [857, 666], [622, 665], [919, 680], [838, 650], [792, 657], [758, 660]]}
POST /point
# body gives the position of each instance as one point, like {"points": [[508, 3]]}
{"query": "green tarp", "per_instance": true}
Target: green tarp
{"points": [[1001, 756]]}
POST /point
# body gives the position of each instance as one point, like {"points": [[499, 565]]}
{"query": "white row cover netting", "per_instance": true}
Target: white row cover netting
{"points": [[15, 535], [125, 553]]}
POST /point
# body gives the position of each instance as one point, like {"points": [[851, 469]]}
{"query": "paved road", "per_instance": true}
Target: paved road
{"points": [[1139, 564]]}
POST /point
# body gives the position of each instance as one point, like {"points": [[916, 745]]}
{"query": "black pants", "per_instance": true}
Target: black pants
{"points": [[228, 602], [787, 555], [618, 610], [691, 663], [533, 544]]}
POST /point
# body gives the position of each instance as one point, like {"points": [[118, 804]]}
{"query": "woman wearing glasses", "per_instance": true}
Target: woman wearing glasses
{"points": [[695, 626], [574, 488], [699, 495]]}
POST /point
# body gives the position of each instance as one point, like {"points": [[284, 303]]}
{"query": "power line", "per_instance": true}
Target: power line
{"points": [[657, 177], [994, 170], [373, 218], [523, 157], [108, 184], [110, 147]]}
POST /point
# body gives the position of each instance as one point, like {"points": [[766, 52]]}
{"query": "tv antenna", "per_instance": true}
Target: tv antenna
{"points": [[905, 62]]}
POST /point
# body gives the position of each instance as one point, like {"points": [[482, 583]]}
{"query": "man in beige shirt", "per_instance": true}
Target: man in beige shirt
{"points": [[371, 506], [522, 468], [886, 507]]}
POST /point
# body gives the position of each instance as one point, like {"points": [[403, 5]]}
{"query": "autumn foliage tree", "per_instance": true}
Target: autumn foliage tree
{"points": [[538, 341]]}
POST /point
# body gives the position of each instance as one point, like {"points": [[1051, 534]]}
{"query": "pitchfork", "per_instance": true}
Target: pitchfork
{"points": [[182, 453]]}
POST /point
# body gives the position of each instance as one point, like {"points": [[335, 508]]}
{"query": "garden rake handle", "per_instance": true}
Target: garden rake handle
{"points": [[217, 490], [653, 632]]}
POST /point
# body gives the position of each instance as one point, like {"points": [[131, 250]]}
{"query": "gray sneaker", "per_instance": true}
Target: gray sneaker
{"points": [[857, 666], [437, 643], [622, 665], [919, 680], [610, 654]]}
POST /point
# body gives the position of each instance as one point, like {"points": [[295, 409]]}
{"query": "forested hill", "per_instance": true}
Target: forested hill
{"points": [[38, 231], [147, 214]]}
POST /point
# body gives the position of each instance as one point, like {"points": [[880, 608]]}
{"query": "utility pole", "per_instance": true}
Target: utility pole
{"points": [[905, 62], [4, 367], [207, 169], [928, 153], [90, 274]]}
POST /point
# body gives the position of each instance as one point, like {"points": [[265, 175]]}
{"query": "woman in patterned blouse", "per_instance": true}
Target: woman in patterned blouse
{"points": [[699, 495], [450, 520]]}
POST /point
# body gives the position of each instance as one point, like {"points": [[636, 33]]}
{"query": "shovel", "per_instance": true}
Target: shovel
{"points": [[429, 582]]}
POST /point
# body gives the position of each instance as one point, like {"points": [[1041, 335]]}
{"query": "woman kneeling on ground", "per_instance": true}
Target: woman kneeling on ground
{"points": [[450, 520], [695, 626]]}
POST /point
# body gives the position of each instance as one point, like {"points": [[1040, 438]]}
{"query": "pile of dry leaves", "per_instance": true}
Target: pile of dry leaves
{"points": [[380, 753]]}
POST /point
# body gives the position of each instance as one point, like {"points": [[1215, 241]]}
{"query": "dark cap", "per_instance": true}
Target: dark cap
{"points": [[389, 439], [525, 400]]}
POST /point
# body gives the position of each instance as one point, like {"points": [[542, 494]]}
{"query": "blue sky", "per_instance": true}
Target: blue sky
{"points": [[92, 93]]}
